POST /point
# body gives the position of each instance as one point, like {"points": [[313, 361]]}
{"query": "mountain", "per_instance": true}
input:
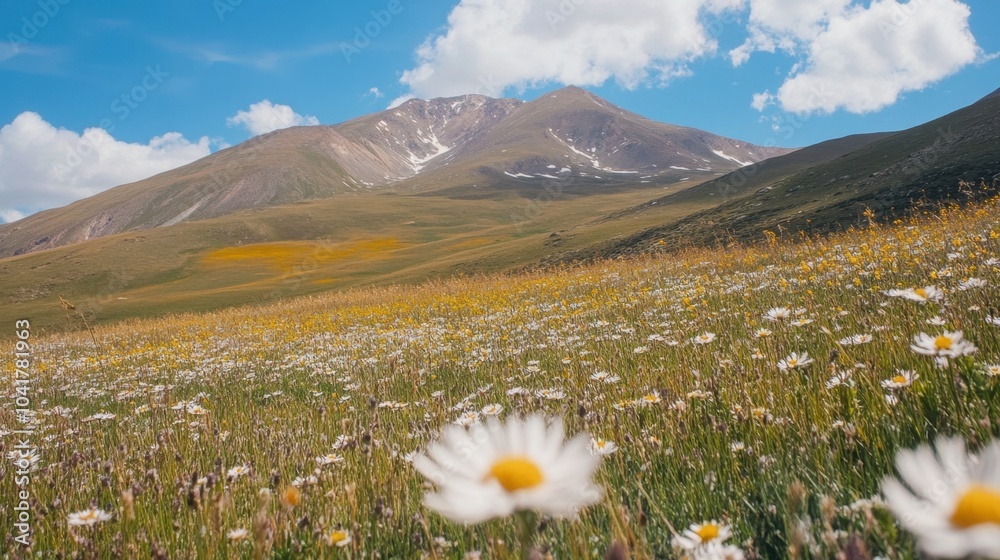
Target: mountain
{"points": [[889, 176], [281, 167], [576, 137], [456, 146]]}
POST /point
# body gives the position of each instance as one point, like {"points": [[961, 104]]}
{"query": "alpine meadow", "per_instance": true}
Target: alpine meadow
{"points": [[491, 290]]}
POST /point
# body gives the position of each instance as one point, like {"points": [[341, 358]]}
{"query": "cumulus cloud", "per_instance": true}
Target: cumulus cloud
{"points": [[42, 166], [265, 117], [856, 58], [490, 45]]}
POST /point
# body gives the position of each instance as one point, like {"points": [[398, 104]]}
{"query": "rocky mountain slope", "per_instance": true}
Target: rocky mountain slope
{"points": [[444, 145]]}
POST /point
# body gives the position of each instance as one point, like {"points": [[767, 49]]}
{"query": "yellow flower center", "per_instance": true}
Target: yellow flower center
{"points": [[921, 292], [707, 532], [899, 379], [516, 473], [337, 536], [978, 506], [942, 342]]}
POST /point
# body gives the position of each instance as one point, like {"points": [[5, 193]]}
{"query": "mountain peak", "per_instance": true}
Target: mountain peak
{"points": [[996, 93]]}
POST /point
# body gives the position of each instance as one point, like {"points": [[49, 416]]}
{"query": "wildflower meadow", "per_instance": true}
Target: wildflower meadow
{"points": [[805, 397]]}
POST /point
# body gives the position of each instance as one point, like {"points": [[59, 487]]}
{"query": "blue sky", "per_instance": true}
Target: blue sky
{"points": [[167, 80]]}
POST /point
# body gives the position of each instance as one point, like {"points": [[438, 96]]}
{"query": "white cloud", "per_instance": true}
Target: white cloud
{"points": [[784, 24], [10, 215], [45, 167], [400, 100], [490, 45], [265, 117], [859, 59], [376, 93]]}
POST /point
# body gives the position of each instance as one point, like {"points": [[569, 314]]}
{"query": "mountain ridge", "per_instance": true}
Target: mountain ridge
{"points": [[400, 149]]}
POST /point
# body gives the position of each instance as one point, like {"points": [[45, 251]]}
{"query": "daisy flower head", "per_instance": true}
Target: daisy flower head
{"points": [[921, 295], [493, 470], [237, 535], [650, 398], [605, 377], [841, 379], [948, 499], [339, 538], [699, 535], [972, 283], [492, 409], [903, 378], [88, 517], [778, 313], [763, 333], [238, 471], [856, 340], [328, 459], [795, 361], [703, 338], [946, 345], [602, 446], [991, 370]]}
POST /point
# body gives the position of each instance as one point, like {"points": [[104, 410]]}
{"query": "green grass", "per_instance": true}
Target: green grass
{"points": [[281, 382], [153, 272]]}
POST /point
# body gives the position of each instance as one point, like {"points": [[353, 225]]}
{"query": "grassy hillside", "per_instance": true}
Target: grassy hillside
{"points": [[288, 430], [888, 178], [338, 243]]}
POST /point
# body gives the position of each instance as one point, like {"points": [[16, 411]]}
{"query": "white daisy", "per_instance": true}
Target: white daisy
{"points": [[467, 419], [841, 378], [947, 345], [972, 283], [698, 535], [703, 338], [88, 517], [903, 378], [795, 361], [328, 459], [605, 377], [492, 409], [922, 295], [602, 446], [778, 313], [856, 339], [950, 500], [338, 538], [238, 471], [493, 469]]}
